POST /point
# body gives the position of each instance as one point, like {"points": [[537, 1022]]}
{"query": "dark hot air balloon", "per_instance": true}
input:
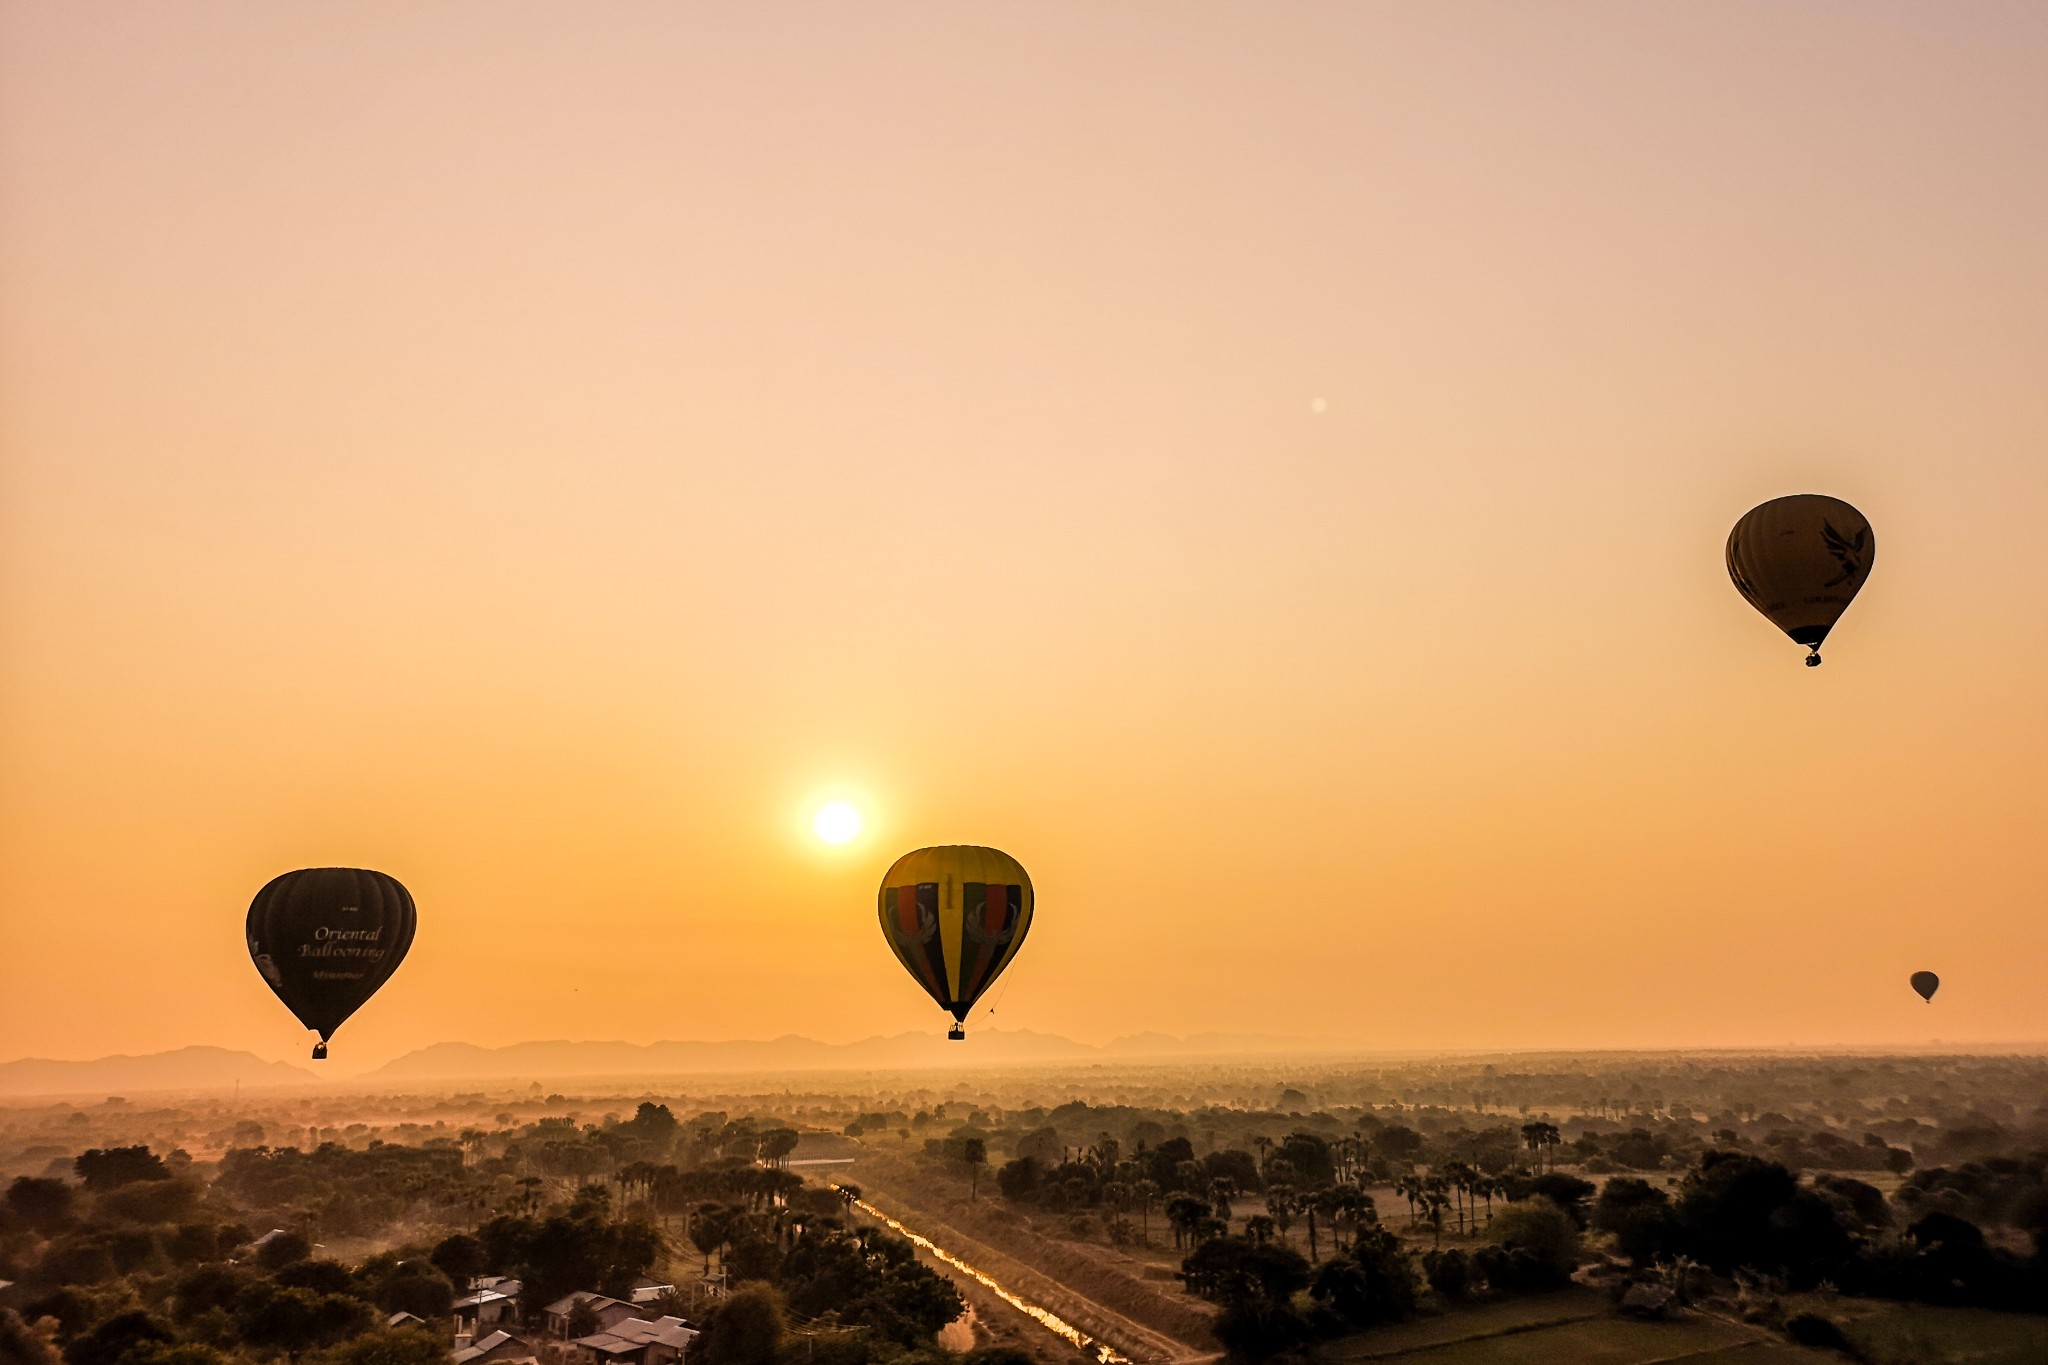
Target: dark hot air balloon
{"points": [[1927, 983], [326, 938], [1799, 561], [955, 917]]}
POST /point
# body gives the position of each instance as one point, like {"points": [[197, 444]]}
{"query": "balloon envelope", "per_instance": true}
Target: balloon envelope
{"points": [[954, 917], [325, 938], [1800, 560], [1927, 983]]}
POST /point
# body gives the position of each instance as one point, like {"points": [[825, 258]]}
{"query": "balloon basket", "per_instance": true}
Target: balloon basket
{"points": [[319, 1052], [1813, 659], [956, 1033]]}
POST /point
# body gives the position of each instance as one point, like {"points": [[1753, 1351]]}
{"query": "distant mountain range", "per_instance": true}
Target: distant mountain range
{"points": [[188, 1068], [462, 1061], [214, 1068]]}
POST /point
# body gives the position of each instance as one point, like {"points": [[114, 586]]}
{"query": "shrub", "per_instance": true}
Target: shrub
{"points": [[115, 1338], [1449, 1272], [1811, 1329], [1638, 1214], [283, 1249], [1541, 1242], [1019, 1179], [107, 1168], [1375, 1283], [746, 1329], [1258, 1329], [44, 1205]]}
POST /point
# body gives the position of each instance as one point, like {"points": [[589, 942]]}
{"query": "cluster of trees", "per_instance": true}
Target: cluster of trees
{"points": [[130, 1214], [345, 1192], [652, 1139], [277, 1301], [1274, 1299], [1128, 1190], [840, 1276], [136, 1265], [1740, 1212], [2011, 1191]]}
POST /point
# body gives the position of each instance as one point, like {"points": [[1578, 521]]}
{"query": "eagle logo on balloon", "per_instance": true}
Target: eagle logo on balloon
{"points": [[1848, 553]]}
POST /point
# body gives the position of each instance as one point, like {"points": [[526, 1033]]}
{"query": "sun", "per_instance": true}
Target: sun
{"points": [[836, 822]]}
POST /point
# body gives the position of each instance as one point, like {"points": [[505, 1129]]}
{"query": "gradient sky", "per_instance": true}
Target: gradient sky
{"points": [[1264, 466]]}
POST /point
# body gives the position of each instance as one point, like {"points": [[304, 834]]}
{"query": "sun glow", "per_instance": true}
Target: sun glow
{"points": [[836, 822]]}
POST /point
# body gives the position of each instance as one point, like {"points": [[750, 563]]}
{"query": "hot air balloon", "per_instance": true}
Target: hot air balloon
{"points": [[1927, 983], [1799, 561], [955, 916], [325, 938]]}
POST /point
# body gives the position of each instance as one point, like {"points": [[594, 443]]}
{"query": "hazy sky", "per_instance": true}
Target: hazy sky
{"points": [[1264, 466]]}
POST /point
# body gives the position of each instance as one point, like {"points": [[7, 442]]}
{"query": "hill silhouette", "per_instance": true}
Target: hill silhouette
{"points": [[186, 1068]]}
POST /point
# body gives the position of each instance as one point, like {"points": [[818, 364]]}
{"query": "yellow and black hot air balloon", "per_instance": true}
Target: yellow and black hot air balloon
{"points": [[955, 916], [1799, 560]]}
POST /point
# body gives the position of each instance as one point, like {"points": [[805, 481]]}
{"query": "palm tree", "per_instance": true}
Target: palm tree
{"points": [[1538, 1136], [1335, 1204], [1145, 1191], [1487, 1188], [1262, 1142], [1185, 1213], [1220, 1190], [1259, 1228], [1460, 1177], [1436, 1201], [974, 1151], [1282, 1205], [710, 1227], [1409, 1187]]}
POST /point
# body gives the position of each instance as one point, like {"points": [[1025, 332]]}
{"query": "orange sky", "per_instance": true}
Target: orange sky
{"points": [[536, 449]]}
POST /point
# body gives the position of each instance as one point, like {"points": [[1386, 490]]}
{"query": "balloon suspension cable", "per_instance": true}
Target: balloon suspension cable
{"points": [[1001, 991], [320, 1051], [1813, 658]]}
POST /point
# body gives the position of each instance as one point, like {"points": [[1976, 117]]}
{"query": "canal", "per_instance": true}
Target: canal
{"points": [[1045, 1318]]}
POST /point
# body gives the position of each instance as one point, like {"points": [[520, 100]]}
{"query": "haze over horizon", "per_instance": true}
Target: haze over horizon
{"points": [[1266, 471]]}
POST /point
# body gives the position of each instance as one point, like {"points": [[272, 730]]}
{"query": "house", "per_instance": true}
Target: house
{"points": [[636, 1341], [491, 1299], [405, 1319], [647, 1292], [495, 1347], [608, 1311]]}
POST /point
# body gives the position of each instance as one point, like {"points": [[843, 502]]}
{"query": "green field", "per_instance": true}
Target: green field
{"points": [[1921, 1334], [1575, 1326]]}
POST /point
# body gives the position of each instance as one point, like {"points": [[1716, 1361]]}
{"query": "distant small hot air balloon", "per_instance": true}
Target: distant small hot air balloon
{"points": [[1927, 983], [1800, 560], [325, 938], [954, 917]]}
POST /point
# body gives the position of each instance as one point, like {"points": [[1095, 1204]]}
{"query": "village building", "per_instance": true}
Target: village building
{"points": [[636, 1341], [647, 1292], [607, 1311], [492, 1299], [498, 1346]]}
